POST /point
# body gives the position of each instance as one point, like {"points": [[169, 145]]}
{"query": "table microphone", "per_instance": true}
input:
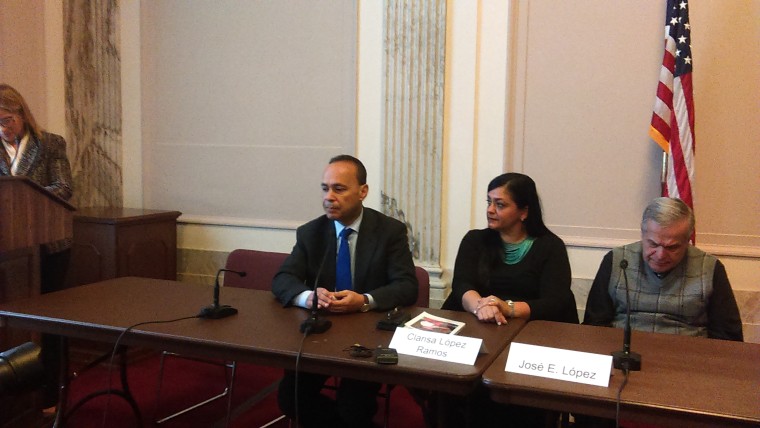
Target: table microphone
{"points": [[217, 311], [315, 324], [625, 359]]}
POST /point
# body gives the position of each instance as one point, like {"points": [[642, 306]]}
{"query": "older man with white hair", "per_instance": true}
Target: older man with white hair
{"points": [[674, 287]]}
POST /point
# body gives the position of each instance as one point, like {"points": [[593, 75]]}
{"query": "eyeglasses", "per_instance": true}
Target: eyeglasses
{"points": [[7, 121]]}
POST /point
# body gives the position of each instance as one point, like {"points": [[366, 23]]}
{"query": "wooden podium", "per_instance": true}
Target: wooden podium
{"points": [[29, 217], [116, 242]]}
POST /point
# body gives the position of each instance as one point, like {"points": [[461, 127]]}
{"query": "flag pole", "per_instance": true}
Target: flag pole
{"points": [[664, 175]]}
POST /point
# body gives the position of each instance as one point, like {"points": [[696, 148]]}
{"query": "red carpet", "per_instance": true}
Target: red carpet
{"points": [[185, 382]]}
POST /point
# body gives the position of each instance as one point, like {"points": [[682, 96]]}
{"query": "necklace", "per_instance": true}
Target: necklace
{"points": [[514, 253]]}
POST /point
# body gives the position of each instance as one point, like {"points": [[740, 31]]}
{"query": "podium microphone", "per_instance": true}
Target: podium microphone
{"points": [[217, 311], [315, 324], [625, 359]]}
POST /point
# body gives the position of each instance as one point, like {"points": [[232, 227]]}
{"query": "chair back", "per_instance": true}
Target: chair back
{"points": [[423, 291], [260, 267]]}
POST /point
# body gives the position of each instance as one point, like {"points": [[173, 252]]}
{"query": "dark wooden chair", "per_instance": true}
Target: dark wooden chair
{"points": [[260, 268]]}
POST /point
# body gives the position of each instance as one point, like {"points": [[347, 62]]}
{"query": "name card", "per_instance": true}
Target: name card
{"points": [[436, 346], [561, 364]]}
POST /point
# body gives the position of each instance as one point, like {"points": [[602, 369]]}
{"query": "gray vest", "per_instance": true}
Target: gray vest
{"points": [[675, 304]]}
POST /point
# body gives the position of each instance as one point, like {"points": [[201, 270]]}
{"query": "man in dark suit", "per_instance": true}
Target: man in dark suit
{"points": [[381, 277]]}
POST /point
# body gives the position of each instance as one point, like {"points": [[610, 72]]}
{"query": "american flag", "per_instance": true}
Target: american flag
{"points": [[673, 118]]}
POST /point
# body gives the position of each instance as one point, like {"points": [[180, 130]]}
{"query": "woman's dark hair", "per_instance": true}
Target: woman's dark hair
{"points": [[522, 190]]}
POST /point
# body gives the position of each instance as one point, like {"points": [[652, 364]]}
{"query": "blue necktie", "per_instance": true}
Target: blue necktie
{"points": [[343, 265]]}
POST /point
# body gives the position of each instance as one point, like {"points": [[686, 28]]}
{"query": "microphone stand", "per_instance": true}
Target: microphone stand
{"points": [[315, 324], [625, 359], [217, 311]]}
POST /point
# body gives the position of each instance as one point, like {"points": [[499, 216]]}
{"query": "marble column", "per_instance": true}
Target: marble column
{"points": [[415, 35], [93, 100]]}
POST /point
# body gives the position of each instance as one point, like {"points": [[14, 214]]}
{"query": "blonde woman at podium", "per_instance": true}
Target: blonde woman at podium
{"points": [[28, 150], [41, 156]]}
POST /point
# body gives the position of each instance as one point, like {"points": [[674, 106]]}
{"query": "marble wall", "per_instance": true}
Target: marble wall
{"points": [[414, 45], [93, 101], [749, 308]]}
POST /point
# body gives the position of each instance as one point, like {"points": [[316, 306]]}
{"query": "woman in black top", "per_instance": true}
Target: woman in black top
{"points": [[516, 268]]}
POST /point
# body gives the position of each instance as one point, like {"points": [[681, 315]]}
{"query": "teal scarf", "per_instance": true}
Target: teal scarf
{"points": [[514, 253]]}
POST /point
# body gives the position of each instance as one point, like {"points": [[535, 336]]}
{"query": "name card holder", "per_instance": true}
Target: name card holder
{"points": [[560, 364], [436, 346]]}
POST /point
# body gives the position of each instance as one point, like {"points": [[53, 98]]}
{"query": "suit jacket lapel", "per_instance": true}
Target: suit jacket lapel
{"points": [[5, 162], [328, 271], [28, 157], [366, 244]]}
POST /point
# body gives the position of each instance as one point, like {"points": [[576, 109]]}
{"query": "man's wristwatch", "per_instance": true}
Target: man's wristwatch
{"points": [[511, 305], [365, 307]]}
